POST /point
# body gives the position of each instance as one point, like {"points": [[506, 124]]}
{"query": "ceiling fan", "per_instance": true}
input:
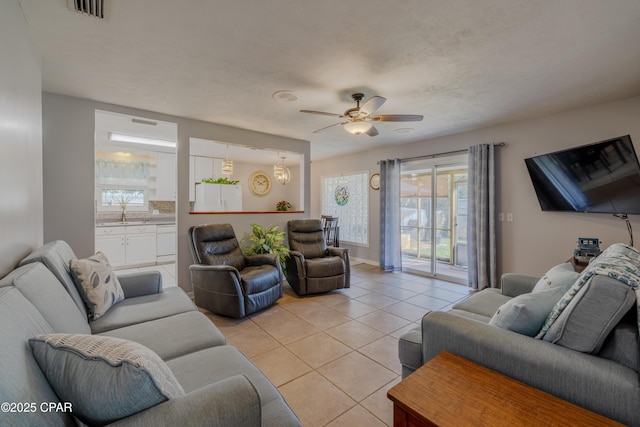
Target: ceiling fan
{"points": [[358, 119]]}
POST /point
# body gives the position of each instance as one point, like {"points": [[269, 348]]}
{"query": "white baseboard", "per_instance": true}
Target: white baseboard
{"points": [[355, 260]]}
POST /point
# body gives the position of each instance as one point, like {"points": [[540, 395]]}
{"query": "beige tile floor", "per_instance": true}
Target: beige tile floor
{"points": [[334, 356]]}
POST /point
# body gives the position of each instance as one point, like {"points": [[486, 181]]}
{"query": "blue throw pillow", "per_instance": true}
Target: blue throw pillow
{"points": [[526, 313], [562, 275]]}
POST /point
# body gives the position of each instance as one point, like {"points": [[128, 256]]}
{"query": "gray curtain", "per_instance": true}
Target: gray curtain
{"points": [[390, 250], [481, 218]]}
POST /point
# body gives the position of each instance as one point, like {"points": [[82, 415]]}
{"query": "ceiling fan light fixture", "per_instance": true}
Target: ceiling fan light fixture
{"points": [[357, 127]]}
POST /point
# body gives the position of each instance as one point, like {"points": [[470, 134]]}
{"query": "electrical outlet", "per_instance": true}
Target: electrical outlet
{"points": [[501, 216], [509, 217]]}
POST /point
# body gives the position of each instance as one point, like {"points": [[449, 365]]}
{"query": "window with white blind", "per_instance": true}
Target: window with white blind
{"points": [[347, 197]]}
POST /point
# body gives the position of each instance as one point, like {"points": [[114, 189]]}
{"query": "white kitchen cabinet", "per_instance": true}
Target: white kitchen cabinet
{"points": [[218, 198], [111, 242], [127, 245], [141, 244], [202, 167], [165, 243], [166, 177]]}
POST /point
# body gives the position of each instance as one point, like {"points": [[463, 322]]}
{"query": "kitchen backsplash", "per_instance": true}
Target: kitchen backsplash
{"points": [[164, 208]]}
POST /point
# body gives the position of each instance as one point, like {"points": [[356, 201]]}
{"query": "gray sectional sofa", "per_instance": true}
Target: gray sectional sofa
{"points": [[585, 357], [221, 386]]}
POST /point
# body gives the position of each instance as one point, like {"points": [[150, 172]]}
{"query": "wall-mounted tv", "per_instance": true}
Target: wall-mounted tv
{"points": [[602, 177]]}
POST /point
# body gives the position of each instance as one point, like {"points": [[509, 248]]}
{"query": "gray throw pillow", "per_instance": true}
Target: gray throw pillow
{"points": [[526, 313], [591, 315], [562, 275], [104, 378], [96, 283]]}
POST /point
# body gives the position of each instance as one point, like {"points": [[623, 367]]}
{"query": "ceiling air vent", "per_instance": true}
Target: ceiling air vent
{"points": [[95, 8]]}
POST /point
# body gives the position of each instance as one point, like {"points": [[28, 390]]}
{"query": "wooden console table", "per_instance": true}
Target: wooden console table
{"points": [[452, 391]]}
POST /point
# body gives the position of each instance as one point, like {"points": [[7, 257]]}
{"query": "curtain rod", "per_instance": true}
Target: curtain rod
{"points": [[446, 153]]}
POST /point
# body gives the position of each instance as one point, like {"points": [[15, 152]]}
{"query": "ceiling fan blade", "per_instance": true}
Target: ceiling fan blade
{"points": [[330, 126], [372, 131], [398, 118], [322, 113], [372, 105]]}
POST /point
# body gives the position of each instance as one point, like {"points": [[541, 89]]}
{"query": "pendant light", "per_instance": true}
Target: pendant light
{"points": [[227, 165], [277, 169], [284, 175]]}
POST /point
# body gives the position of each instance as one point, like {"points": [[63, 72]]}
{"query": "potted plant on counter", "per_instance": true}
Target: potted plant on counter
{"points": [[283, 205], [223, 180]]}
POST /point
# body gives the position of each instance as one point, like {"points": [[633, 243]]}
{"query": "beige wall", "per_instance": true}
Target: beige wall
{"points": [[535, 240], [20, 139]]}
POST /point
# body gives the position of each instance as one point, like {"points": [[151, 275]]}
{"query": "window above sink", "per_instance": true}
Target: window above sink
{"points": [[117, 199], [122, 180]]}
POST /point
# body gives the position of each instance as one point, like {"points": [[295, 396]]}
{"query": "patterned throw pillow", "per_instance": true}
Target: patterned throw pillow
{"points": [[98, 286], [104, 378]]}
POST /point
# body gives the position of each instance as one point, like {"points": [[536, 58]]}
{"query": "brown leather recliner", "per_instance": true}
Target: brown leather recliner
{"points": [[312, 267], [224, 280]]}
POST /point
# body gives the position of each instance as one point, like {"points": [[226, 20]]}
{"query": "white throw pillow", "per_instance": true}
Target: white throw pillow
{"points": [[97, 284], [104, 378]]}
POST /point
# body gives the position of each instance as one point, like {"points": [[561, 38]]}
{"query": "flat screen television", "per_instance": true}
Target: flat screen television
{"points": [[603, 177]]}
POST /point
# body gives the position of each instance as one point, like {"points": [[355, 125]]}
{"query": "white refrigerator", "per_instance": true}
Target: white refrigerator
{"points": [[218, 198]]}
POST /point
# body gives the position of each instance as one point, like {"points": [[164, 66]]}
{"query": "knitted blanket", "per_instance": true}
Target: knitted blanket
{"points": [[618, 261]]}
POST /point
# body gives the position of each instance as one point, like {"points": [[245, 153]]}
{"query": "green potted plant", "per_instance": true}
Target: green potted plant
{"points": [[283, 205], [267, 241], [223, 180]]}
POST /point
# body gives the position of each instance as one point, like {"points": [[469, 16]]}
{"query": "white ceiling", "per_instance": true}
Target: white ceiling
{"points": [[463, 64]]}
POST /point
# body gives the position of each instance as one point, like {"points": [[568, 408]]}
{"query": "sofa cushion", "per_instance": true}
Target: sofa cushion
{"points": [[45, 292], [195, 371], [591, 315], [562, 275], [622, 344], [484, 303], [131, 311], [526, 313], [96, 282], [189, 332], [56, 256], [410, 349], [21, 380], [469, 315], [104, 378]]}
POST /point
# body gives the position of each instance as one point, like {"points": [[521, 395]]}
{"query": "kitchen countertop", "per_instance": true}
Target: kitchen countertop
{"points": [[150, 221]]}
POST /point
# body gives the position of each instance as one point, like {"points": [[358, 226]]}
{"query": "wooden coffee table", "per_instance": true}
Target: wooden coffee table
{"points": [[452, 391]]}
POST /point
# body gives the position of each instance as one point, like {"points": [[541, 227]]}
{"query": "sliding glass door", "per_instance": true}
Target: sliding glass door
{"points": [[433, 208]]}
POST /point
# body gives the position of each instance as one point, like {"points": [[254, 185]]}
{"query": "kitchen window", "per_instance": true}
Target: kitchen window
{"points": [[118, 199], [122, 181]]}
